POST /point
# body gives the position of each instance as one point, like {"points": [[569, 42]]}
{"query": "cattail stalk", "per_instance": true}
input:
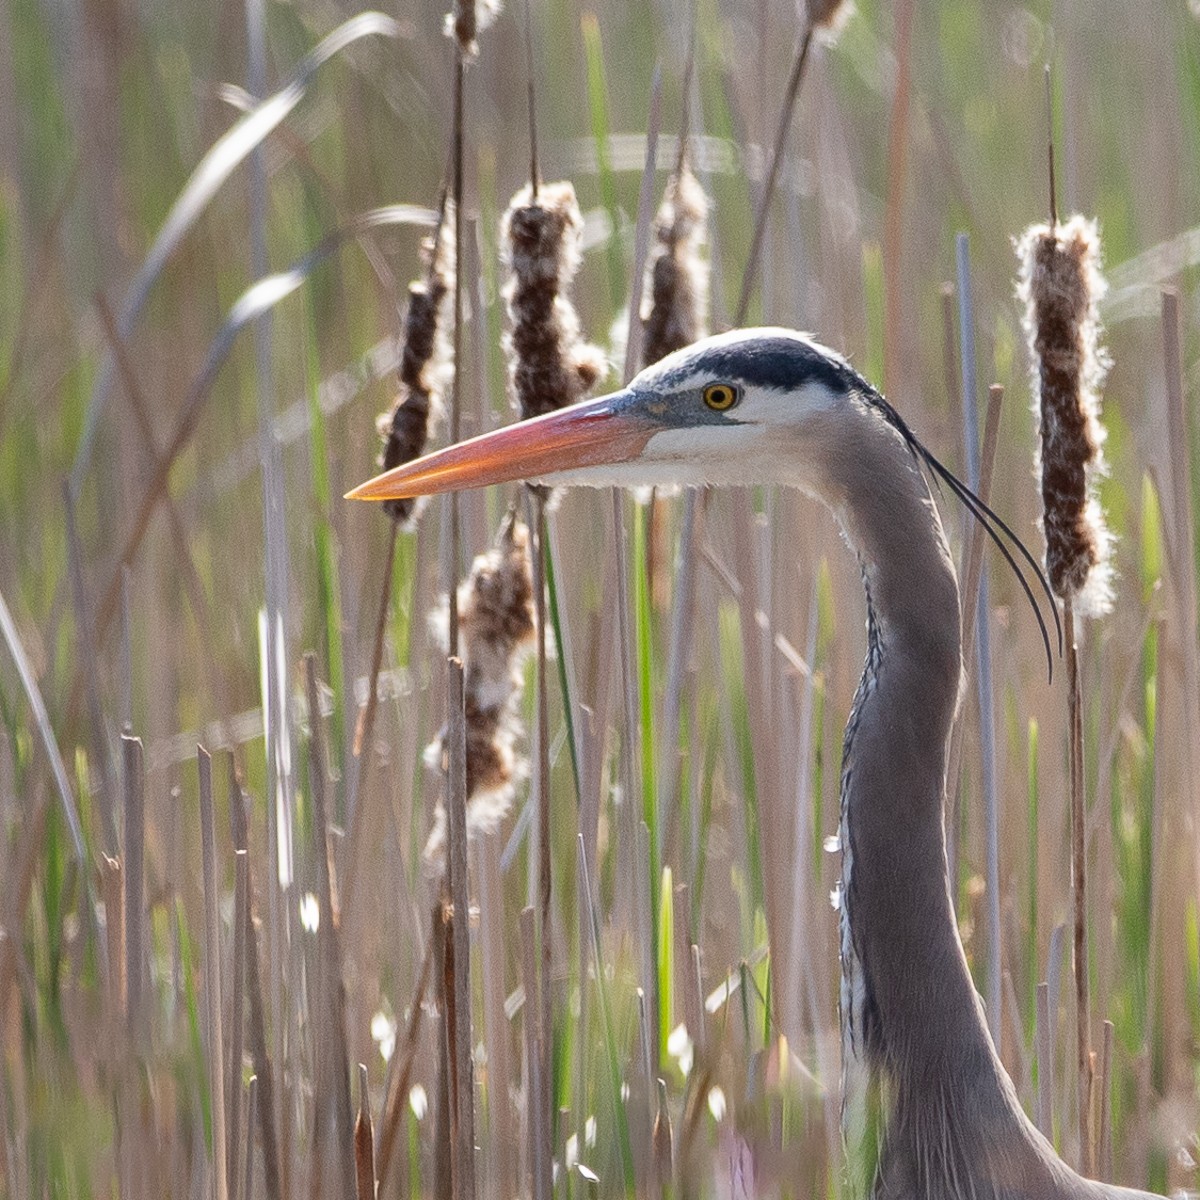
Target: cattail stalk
{"points": [[212, 975], [1061, 286], [820, 15], [549, 367], [364, 1141]]}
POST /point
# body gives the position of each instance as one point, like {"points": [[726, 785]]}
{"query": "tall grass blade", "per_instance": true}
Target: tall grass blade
{"points": [[214, 1017], [16, 649], [212, 171]]}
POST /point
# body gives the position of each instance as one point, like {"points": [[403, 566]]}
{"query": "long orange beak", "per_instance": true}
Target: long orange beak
{"points": [[594, 434]]}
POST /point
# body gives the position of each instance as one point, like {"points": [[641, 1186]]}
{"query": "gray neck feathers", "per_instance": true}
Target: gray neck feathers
{"points": [[953, 1125]]}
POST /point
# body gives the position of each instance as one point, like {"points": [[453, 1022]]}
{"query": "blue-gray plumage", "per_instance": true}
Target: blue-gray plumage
{"points": [[772, 406]]}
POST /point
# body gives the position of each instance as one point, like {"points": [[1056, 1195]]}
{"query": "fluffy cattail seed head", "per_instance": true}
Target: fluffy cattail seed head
{"points": [[1061, 285], [828, 15], [496, 632], [466, 19], [424, 361], [675, 309], [548, 366]]}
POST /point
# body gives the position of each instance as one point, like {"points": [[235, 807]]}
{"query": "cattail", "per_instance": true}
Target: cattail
{"points": [[496, 632], [828, 15], [424, 361], [1061, 285], [466, 19], [675, 309], [549, 367]]}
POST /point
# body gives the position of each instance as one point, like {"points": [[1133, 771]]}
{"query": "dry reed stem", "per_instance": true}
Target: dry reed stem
{"points": [[258, 1036], [212, 975], [364, 1141], [824, 15], [396, 1093], [661, 1141], [333, 991], [750, 273], [972, 575], [462, 1091], [134, 872], [106, 800], [546, 1021], [366, 718], [537, 1114], [1104, 1160], [452, 563], [1083, 1037], [1045, 1061], [237, 999], [365, 727], [893, 217], [246, 1184]]}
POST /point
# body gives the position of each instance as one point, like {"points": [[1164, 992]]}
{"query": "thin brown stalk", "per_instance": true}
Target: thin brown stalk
{"points": [[750, 274], [364, 1141], [91, 680], [1045, 1061], [212, 975], [1105, 1158], [246, 1187], [263, 1085], [366, 725], [366, 717], [536, 1114], [400, 1076], [332, 1030], [456, 350], [535, 175], [543, 998], [1083, 1039], [134, 869], [893, 217], [237, 999], [972, 573], [462, 1090]]}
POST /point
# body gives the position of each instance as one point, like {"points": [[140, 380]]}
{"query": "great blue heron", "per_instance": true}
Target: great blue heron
{"points": [[771, 406]]}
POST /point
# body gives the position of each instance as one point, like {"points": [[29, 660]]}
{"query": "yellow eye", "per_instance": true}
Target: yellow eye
{"points": [[720, 396]]}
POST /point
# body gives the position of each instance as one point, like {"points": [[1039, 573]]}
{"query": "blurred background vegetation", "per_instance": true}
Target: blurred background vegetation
{"points": [[134, 444]]}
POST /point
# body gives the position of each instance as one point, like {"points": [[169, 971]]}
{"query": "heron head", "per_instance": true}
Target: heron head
{"points": [[736, 408]]}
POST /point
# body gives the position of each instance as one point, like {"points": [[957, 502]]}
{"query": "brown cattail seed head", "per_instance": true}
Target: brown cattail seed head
{"points": [[466, 19], [424, 361], [675, 309], [828, 15], [1061, 286], [548, 366], [496, 631]]}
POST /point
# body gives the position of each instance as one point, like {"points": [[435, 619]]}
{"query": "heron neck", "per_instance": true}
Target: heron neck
{"points": [[923, 1023]]}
